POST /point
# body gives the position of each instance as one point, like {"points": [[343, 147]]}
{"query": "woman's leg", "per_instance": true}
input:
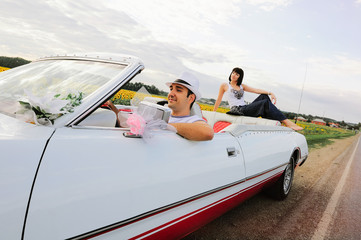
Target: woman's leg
{"points": [[263, 107], [290, 124]]}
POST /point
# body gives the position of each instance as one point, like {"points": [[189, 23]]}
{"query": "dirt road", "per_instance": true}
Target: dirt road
{"points": [[299, 215]]}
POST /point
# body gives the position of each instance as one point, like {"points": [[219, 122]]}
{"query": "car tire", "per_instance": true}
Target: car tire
{"points": [[282, 187]]}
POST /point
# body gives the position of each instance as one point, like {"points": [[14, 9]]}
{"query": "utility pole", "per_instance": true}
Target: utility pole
{"points": [[303, 86]]}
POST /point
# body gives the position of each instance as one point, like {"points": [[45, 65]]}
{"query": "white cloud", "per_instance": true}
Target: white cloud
{"points": [[178, 21], [338, 71], [216, 59], [269, 5], [291, 49], [338, 64]]}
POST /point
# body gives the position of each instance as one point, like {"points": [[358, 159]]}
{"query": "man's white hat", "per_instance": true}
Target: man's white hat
{"points": [[189, 81]]}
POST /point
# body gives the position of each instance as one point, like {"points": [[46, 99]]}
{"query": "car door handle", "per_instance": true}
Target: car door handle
{"points": [[232, 152]]}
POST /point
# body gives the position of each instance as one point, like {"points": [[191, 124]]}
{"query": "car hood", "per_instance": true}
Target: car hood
{"points": [[21, 147]]}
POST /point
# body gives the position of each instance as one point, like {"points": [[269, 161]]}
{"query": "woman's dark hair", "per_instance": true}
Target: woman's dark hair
{"points": [[241, 74]]}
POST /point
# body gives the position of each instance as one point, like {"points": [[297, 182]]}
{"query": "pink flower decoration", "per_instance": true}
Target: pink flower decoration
{"points": [[136, 123]]}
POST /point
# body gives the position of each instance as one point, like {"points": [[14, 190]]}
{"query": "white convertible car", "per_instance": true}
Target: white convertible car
{"points": [[68, 172]]}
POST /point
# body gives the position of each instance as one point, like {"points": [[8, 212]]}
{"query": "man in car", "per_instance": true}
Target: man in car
{"points": [[183, 92]]}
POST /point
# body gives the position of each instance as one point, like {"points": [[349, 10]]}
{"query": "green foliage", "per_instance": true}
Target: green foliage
{"points": [[75, 100], [211, 101], [11, 62], [120, 101], [44, 111]]}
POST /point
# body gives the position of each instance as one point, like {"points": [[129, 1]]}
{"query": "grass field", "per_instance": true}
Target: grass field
{"points": [[318, 136]]}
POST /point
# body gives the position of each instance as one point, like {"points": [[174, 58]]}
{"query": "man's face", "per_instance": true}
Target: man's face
{"points": [[177, 98]]}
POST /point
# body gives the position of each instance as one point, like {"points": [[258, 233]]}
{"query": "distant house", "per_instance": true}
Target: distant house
{"points": [[336, 125], [318, 121], [302, 119]]}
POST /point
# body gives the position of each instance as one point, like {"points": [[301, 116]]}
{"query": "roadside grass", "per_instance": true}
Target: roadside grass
{"points": [[315, 142], [318, 136]]}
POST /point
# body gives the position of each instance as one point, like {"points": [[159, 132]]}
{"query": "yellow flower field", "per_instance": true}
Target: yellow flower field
{"points": [[127, 95], [314, 129], [3, 69], [318, 135], [207, 107], [123, 94]]}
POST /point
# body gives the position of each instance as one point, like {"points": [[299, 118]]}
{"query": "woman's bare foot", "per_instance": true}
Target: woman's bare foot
{"points": [[290, 124]]}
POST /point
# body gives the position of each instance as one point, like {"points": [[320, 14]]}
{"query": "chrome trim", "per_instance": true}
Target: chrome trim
{"points": [[99, 128], [97, 57], [266, 171], [232, 152]]}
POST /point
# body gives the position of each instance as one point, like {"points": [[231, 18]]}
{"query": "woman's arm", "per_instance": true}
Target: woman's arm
{"points": [[222, 90], [260, 91]]}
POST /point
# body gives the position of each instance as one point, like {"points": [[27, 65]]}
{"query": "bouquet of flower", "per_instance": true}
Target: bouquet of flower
{"points": [[44, 110]]}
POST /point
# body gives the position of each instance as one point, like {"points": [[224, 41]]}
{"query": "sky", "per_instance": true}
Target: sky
{"points": [[307, 52]]}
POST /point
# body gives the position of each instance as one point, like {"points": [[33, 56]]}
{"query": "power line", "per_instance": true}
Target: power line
{"points": [[303, 86]]}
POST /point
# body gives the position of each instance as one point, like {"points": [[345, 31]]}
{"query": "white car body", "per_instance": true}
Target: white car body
{"points": [[74, 181]]}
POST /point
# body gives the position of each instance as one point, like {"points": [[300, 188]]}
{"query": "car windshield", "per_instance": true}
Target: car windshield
{"points": [[57, 77]]}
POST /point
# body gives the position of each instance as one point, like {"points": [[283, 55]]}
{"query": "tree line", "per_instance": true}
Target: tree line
{"points": [[11, 62], [309, 118]]}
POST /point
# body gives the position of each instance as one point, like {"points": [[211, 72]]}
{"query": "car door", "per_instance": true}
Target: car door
{"points": [[21, 148], [266, 151], [95, 177]]}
